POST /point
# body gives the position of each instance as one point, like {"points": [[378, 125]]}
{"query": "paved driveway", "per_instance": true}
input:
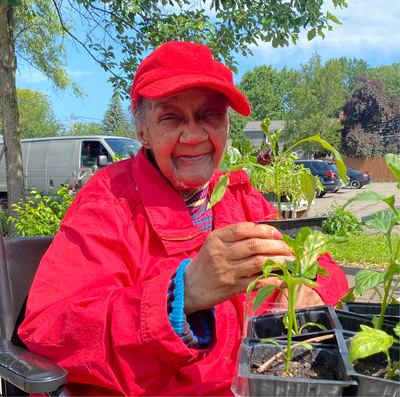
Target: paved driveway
{"points": [[360, 208]]}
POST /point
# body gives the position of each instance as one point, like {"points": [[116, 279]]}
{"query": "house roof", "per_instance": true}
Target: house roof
{"points": [[256, 126]]}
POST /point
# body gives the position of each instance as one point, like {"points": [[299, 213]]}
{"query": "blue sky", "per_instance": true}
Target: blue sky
{"points": [[370, 30]]}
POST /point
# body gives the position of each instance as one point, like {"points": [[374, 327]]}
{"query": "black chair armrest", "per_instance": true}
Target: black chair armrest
{"points": [[28, 371]]}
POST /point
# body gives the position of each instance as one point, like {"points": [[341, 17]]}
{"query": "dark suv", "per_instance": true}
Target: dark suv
{"points": [[329, 179]]}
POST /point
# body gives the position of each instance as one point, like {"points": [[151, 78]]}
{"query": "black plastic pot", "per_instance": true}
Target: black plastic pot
{"points": [[250, 384], [273, 198], [351, 321], [369, 385], [292, 226], [373, 309], [271, 325]]}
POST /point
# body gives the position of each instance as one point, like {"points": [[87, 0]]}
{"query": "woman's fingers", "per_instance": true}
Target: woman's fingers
{"points": [[246, 230]]}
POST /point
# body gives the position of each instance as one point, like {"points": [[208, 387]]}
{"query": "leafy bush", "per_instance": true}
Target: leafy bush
{"points": [[3, 220], [41, 215], [339, 218]]}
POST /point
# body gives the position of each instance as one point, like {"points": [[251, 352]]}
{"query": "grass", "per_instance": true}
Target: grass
{"points": [[370, 251]]}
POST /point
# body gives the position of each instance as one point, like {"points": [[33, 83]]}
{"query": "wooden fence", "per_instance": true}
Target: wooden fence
{"points": [[376, 166]]}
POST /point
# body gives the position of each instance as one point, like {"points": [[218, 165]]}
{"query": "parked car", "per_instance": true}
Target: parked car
{"points": [[334, 169], [357, 178], [52, 162], [329, 179]]}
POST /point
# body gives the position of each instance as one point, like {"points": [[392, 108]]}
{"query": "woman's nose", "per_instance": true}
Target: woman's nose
{"points": [[193, 132]]}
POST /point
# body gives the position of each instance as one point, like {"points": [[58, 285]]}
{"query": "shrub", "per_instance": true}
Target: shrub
{"points": [[3, 220], [40, 215], [338, 219]]}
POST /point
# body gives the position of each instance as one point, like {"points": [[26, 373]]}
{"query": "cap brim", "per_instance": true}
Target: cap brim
{"points": [[170, 85]]}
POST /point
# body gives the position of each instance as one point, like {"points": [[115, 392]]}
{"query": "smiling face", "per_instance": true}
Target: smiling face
{"points": [[186, 133]]}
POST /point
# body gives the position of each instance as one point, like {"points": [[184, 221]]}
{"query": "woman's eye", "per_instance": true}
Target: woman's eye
{"points": [[212, 113], [168, 117]]}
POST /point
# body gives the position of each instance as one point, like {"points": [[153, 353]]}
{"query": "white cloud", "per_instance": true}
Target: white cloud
{"points": [[370, 29], [27, 76]]}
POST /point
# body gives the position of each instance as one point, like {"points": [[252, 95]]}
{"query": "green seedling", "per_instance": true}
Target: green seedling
{"points": [[277, 169], [307, 247], [369, 341]]}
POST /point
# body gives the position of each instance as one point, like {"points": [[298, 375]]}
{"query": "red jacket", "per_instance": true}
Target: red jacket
{"points": [[98, 304]]}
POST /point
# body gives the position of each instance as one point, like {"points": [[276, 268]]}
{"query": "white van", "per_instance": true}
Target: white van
{"points": [[52, 162]]}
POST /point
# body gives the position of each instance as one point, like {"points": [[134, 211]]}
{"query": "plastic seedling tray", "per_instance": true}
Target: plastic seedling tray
{"points": [[267, 385], [271, 325]]}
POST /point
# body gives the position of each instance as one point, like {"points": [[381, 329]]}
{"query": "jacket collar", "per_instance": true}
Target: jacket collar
{"points": [[165, 208]]}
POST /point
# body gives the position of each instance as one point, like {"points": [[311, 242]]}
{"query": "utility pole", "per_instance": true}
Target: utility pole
{"points": [[72, 123]]}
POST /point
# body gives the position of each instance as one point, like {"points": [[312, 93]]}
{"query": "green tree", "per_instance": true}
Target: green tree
{"points": [[353, 68], [246, 146], [35, 30], [115, 121], [237, 124], [267, 91], [87, 129], [37, 118], [390, 77], [317, 98]]}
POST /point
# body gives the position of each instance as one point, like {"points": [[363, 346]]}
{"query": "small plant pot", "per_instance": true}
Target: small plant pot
{"points": [[271, 325], [373, 309], [292, 226], [351, 321], [325, 360], [369, 385], [273, 198]]}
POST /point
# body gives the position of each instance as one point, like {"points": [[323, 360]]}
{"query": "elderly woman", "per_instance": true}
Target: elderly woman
{"points": [[141, 292]]}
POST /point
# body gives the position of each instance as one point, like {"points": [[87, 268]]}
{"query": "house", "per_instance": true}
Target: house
{"points": [[255, 135]]}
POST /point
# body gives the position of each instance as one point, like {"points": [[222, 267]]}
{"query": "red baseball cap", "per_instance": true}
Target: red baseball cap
{"points": [[177, 65]]}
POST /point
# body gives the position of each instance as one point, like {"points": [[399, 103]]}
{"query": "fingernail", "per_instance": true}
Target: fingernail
{"points": [[276, 235]]}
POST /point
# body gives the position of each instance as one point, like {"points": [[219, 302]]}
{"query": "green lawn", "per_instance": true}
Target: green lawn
{"points": [[364, 250]]}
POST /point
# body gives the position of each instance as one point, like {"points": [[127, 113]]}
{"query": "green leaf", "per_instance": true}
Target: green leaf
{"points": [[310, 324], [366, 195], [265, 126], [393, 162], [219, 189], [233, 154], [311, 34], [367, 279], [14, 3], [383, 221], [339, 161], [375, 322], [322, 271], [314, 246], [394, 268], [250, 287], [262, 295], [396, 329], [225, 165], [390, 201], [308, 186], [369, 341], [285, 320]]}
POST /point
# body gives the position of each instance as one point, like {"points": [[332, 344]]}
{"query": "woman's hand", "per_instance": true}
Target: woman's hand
{"points": [[307, 298], [227, 262]]}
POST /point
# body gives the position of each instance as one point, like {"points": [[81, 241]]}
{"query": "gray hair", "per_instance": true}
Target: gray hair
{"points": [[139, 112]]}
